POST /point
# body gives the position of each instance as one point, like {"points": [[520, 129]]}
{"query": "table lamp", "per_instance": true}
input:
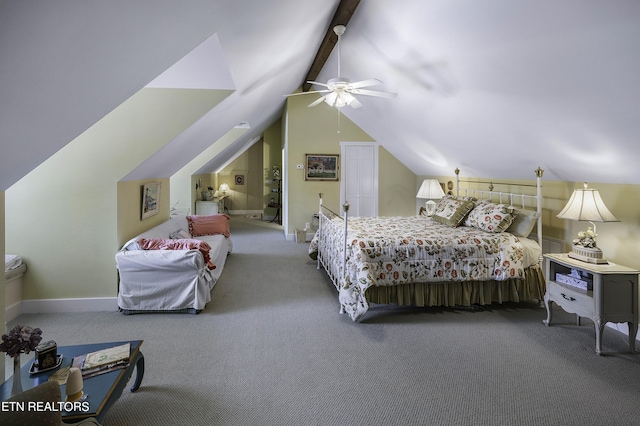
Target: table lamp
{"points": [[586, 205], [431, 190], [223, 188]]}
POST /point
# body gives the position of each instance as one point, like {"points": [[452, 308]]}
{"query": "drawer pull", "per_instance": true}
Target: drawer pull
{"points": [[570, 299]]}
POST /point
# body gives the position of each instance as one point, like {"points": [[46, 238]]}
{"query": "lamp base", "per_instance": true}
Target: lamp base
{"points": [[430, 207], [590, 255]]}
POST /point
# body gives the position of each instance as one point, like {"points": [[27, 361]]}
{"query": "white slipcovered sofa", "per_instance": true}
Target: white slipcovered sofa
{"points": [[14, 269], [162, 270]]}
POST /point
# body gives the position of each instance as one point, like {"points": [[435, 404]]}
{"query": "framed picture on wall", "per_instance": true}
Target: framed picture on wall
{"points": [[239, 179], [322, 167], [150, 199]]}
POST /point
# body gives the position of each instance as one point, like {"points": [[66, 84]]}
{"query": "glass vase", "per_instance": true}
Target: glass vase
{"points": [[17, 380]]}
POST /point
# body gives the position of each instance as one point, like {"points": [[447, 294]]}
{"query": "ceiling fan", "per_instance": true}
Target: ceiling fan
{"points": [[340, 91]]}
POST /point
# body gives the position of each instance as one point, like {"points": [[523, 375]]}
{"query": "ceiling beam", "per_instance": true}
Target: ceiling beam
{"points": [[343, 14]]}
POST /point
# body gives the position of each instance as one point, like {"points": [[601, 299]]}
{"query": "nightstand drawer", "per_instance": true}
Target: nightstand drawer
{"points": [[572, 300]]}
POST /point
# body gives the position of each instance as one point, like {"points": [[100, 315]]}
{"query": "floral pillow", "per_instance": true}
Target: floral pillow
{"points": [[463, 197], [490, 217], [451, 211]]}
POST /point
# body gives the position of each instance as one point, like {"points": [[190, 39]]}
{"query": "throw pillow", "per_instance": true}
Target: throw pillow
{"points": [[490, 217], [451, 211], [209, 225], [523, 223]]}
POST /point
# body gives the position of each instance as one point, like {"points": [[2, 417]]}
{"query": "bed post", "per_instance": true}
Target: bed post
{"points": [[319, 225], [457, 181], [539, 172], [345, 206]]}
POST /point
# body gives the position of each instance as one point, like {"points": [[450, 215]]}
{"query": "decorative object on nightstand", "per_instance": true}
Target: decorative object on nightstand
{"points": [[431, 190], [602, 293], [587, 205]]}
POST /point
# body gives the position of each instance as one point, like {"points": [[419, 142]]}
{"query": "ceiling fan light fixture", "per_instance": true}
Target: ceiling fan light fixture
{"points": [[346, 98], [341, 101], [340, 91], [330, 99]]}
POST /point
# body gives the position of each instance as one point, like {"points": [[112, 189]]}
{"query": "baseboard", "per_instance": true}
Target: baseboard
{"points": [[12, 312], [48, 306], [237, 212]]}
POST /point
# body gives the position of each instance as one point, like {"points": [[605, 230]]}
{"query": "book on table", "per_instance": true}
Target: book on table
{"points": [[103, 361]]}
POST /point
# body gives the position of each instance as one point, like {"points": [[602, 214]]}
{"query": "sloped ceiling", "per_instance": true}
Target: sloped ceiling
{"points": [[494, 87], [67, 63]]}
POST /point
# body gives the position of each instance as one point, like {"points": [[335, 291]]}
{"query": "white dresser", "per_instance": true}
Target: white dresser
{"points": [[210, 207]]}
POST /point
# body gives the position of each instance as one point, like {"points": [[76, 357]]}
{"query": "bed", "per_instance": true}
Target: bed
{"points": [[474, 251]]}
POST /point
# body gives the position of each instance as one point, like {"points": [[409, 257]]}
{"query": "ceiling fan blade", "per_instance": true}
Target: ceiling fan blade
{"points": [[374, 93], [306, 93], [318, 101], [365, 83], [318, 83], [355, 103]]}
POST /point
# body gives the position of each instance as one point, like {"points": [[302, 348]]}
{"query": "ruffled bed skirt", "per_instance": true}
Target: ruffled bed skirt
{"points": [[462, 293]]}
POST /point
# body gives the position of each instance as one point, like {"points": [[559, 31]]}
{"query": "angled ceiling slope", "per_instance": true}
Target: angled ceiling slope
{"points": [[205, 69], [65, 65], [202, 68], [267, 56]]}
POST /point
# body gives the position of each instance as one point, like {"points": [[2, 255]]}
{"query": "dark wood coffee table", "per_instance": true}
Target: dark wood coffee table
{"points": [[102, 390]]}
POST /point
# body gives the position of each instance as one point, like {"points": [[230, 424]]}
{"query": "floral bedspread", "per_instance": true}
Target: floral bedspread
{"points": [[387, 251]]}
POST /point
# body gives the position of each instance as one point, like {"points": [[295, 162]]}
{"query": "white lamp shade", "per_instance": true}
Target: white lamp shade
{"points": [[586, 204], [430, 189], [224, 187]]}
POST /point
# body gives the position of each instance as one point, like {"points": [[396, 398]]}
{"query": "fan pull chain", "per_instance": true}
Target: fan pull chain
{"points": [[338, 109]]}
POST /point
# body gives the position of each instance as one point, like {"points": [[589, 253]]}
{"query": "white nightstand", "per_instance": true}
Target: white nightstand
{"points": [[612, 296], [210, 207]]}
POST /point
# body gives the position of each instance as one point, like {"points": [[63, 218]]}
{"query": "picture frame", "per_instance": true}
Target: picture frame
{"points": [[322, 167], [239, 179], [150, 199]]}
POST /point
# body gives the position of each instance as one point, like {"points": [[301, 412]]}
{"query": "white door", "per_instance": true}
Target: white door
{"points": [[359, 177]]}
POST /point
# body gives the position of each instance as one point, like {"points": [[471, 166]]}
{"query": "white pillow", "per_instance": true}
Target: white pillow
{"points": [[523, 223]]}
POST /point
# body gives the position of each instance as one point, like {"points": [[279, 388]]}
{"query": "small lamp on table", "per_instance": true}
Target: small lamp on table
{"points": [[586, 204], [431, 190]]}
